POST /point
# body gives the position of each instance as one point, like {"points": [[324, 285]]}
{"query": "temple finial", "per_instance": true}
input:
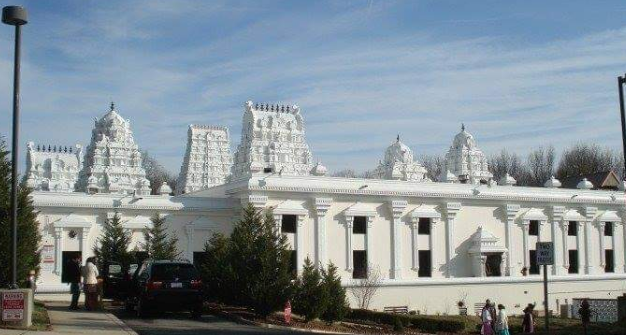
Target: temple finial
{"points": [[112, 105], [462, 126], [398, 138]]}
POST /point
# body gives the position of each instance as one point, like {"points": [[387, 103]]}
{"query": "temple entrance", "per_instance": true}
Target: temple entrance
{"points": [[493, 265]]}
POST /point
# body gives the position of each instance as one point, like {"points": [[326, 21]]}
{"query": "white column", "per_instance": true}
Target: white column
{"points": [[511, 212], [396, 207], [82, 236], [540, 237], [524, 225], [369, 239], [300, 243], [415, 262], [321, 208], [565, 228], [452, 208], [58, 250], [433, 258], [278, 222], [590, 213], [189, 230], [579, 245], [557, 240], [600, 225], [349, 225]]}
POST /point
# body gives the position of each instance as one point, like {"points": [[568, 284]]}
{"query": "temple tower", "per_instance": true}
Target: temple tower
{"points": [[398, 164], [207, 161], [272, 141], [466, 161], [53, 168], [112, 161]]}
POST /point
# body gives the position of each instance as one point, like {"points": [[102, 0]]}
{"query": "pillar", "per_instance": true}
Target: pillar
{"points": [[396, 207], [433, 258], [58, 250], [451, 209], [510, 267], [278, 222], [189, 230], [321, 208], [560, 249], [415, 262], [349, 260], [565, 227], [369, 238], [300, 243], [524, 225], [590, 213], [580, 246], [600, 225], [82, 236]]}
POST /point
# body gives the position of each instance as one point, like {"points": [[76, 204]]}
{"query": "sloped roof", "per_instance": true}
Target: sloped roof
{"points": [[600, 180]]}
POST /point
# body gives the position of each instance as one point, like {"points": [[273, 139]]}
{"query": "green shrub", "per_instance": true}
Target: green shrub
{"points": [[430, 324], [337, 306], [311, 298], [398, 325]]}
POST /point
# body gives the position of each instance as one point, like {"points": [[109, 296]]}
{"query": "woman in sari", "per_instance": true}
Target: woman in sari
{"points": [[528, 324], [502, 323], [487, 319]]}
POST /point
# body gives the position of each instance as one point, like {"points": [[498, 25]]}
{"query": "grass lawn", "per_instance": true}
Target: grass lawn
{"points": [[41, 321]]}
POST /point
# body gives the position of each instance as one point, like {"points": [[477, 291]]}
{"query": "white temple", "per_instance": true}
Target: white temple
{"points": [[399, 165], [272, 139], [207, 160], [53, 168], [434, 243], [466, 161], [112, 161]]}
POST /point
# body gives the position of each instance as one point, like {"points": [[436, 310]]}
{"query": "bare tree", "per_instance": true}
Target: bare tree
{"points": [[586, 158], [371, 174], [541, 163], [346, 173], [511, 163], [363, 290], [156, 173], [434, 164]]}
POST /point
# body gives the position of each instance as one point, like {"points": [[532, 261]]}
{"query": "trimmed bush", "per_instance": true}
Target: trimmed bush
{"points": [[422, 323]]}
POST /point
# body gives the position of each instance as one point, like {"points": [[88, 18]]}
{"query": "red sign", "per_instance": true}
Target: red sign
{"points": [[12, 306], [288, 312]]}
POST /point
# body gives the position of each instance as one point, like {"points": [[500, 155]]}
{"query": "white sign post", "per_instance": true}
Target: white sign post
{"points": [[545, 257]]}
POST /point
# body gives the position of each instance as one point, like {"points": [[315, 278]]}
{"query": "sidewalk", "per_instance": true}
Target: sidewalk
{"points": [[65, 321]]}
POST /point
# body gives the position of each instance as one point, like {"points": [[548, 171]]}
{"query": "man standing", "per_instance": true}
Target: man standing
{"points": [[73, 275]]}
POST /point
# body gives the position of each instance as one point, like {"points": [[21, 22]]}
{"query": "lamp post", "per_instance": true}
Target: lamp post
{"points": [[620, 85], [15, 16]]}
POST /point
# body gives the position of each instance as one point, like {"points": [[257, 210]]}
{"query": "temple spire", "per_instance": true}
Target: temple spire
{"points": [[462, 126], [112, 106], [398, 138]]}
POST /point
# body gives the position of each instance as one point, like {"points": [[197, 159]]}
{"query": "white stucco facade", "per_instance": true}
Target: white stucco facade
{"points": [[434, 243]]}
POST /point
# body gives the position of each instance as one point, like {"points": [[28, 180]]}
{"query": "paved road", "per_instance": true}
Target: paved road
{"points": [[182, 324]]}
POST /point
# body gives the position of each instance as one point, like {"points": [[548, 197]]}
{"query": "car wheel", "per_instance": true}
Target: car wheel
{"points": [[141, 308]]}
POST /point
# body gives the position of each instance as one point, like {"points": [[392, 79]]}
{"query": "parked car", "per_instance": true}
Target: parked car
{"points": [[116, 281], [165, 286]]}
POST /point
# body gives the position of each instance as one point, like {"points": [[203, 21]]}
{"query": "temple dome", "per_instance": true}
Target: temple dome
{"points": [[319, 170], [165, 189], [584, 184], [464, 140], [398, 152], [398, 164]]}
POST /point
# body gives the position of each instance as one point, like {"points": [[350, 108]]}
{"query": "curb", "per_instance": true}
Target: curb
{"points": [[120, 323], [241, 320]]}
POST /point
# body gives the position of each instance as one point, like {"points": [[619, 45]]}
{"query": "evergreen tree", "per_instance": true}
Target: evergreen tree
{"points": [[216, 271], [158, 244], [260, 263], [28, 236], [337, 306], [112, 246], [311, 298]]}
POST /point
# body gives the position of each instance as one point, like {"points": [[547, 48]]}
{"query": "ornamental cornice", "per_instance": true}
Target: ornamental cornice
{"points": [[456, 195], [322, 205], [397, 207]]}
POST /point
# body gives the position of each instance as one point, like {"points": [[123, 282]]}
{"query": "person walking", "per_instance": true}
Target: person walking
{"points": [[502, 323], [585, 314], [90, 279], [487, 319], [73, 275], [528, 324]]}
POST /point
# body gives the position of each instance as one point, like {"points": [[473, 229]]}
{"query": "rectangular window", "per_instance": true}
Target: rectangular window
{"points": [[360, 225], [534, 268], [359, 259], [288, 224], [610, 261], [573, 261], [267, 170], [423, 226], [608, 229], [425, 264], [533, 229], [572, 228], [293, 262]]}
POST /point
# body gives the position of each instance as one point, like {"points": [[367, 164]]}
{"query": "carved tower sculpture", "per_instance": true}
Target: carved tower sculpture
{"points": [[465, 161], [398, 164]]}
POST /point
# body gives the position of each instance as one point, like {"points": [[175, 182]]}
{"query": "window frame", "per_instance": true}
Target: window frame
{"points": [[423, 226], [572, 228], [287, 226], [359, 225], [533, 227], [609, 229]]}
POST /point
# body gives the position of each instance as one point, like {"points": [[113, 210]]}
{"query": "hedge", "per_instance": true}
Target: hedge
{"points": [[422, 323]]}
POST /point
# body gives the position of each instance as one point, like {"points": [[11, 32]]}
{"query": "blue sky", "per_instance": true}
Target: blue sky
{"points": [[519, 74]]}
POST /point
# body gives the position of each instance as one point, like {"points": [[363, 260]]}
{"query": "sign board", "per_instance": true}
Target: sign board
{"points": [[47, 253], [12, 306], [545, 253]]}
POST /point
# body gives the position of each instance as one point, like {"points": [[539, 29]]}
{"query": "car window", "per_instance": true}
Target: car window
{"points": [[173, 271]]}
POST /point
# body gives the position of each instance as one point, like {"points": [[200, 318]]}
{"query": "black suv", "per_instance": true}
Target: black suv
{"points": [[165, 286]]}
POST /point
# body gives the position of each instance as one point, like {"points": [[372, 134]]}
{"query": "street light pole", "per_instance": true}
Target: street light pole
{"points": [[620, 85], [15, 16]]}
